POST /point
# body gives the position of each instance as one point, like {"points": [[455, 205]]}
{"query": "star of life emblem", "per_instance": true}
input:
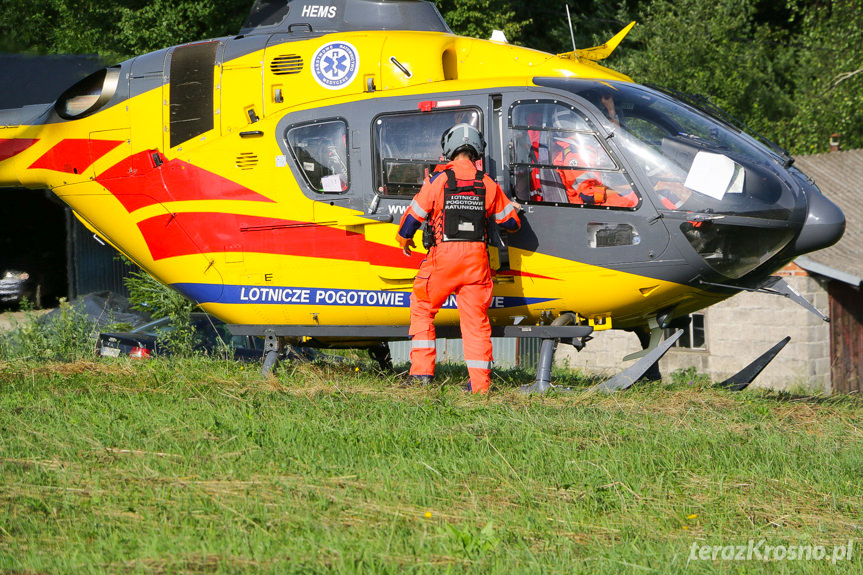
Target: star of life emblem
{"points": [[335, 65]]}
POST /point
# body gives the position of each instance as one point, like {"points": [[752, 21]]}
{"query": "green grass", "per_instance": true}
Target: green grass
{"points": [[197, 466]]}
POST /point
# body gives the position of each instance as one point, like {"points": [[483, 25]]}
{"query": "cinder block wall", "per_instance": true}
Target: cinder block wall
{"points": [[738, 330]]}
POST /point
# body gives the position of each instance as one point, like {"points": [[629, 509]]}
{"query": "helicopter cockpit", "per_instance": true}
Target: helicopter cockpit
{"points": [[557, 157], [734, 198]]}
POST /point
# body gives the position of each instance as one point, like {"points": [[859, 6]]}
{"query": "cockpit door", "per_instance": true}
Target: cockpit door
{"points": [[580, 201]]}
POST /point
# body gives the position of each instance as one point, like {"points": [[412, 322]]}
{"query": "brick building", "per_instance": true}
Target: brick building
{"points": [[821, 357]]}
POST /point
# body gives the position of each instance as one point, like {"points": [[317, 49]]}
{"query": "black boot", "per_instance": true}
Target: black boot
{"points": [[419, 380]]}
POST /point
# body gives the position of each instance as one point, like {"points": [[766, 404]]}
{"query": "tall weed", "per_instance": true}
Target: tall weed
{"points": [[149, 295], [67, 334]]}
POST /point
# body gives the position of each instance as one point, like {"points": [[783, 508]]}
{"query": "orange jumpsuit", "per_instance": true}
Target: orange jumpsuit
{"points": [[538, 155], [586, 187], [459, 267]]}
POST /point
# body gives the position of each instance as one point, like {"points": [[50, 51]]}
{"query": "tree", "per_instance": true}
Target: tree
{"points": [[116, 30], [478, 18], [786, 70], [715, 48], [829, 80], [593, 22], [790, 70]]}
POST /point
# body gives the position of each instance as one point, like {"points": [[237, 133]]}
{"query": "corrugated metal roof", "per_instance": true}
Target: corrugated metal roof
{"points": [[839, 175]]}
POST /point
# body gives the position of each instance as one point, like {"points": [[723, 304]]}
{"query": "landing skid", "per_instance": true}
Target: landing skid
{"points": [[373, 338], [274, 353], [577, 335], [621, 381], [633, 373], [744, 377]]}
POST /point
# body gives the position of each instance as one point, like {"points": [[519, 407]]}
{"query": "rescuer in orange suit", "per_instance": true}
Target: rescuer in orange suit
{"points": [[538, 155], [584, 186], [457, 202]]}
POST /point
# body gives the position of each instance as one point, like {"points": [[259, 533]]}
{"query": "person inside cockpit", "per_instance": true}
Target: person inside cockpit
{"points": [[538, 154], [606, 99], [584, 157]]}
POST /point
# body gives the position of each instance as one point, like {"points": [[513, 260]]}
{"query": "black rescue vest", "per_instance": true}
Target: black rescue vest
{"points": [[464, 217]]}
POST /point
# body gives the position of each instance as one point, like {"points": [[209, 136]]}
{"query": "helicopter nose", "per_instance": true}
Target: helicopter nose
{"points": [[824, 225]]}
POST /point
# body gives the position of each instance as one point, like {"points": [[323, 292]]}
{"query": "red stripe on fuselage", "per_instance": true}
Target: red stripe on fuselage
{"points": [[522, 274], [137, 183], [173, 235], [13, 147], [74, 156]]}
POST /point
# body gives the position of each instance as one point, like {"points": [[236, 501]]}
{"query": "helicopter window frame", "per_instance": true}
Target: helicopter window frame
{"points": [[548, 174], [417, 167], [314, 181]]}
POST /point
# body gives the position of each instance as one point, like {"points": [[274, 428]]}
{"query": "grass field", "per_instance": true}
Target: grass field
{"points": [[197, 466]]}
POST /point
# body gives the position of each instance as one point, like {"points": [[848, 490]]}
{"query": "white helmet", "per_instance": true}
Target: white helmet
{"points": [[462, 138]]}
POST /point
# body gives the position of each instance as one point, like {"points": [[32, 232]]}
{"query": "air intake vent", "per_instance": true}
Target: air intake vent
{"points": [[282, 65], [246, 161]]}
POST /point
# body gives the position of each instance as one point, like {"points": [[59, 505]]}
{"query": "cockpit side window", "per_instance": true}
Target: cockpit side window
{"points": [[408, 147], [557, 157], [320, 152]]}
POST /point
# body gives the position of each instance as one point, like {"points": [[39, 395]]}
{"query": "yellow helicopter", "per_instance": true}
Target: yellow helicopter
{"points": [[263, 176]]}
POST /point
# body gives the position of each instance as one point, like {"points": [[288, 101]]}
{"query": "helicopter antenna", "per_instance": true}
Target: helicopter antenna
{"points": [[571, 33]]}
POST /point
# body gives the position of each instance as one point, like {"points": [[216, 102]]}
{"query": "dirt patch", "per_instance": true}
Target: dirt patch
{"points": [[11, 319]]}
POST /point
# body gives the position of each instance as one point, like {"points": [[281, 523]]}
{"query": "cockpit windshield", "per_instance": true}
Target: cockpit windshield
{"points": [[736, 203], [691, 160]]}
